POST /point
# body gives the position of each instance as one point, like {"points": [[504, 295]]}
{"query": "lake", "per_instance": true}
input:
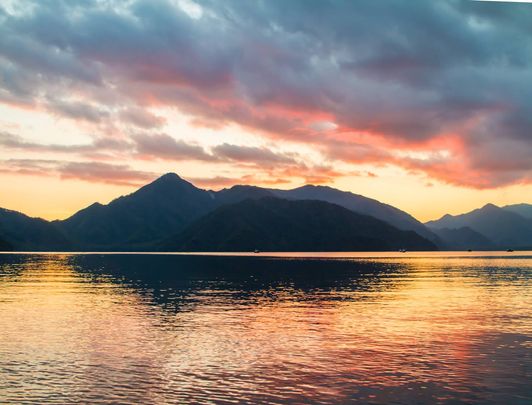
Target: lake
{"points": [[287, 328]]}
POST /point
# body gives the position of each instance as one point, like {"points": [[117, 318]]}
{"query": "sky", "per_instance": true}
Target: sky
{"points": [[425, 105]]}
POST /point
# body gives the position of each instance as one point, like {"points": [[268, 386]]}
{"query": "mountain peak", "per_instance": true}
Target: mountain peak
{"points": [[170, 182], [490, 206], [169, 177]]}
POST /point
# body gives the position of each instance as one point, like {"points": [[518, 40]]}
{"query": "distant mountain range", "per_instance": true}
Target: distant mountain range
{"points": [[463, 238], [171, 213], [502, 227], [525, 210]]}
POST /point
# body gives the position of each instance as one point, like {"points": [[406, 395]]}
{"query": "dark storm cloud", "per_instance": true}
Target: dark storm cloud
{"points": [[406, 73]]}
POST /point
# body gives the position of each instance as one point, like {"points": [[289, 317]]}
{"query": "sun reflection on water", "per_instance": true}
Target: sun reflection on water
{"points": [[220, 329]]}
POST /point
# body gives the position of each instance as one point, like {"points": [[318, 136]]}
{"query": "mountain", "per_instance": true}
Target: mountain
{"points": [[169, 204], [359, 204], [463, 238], [5, 246], [239, 193], [505, 228], [274, 224], [525, 210], [155, 211], [26, 233]]}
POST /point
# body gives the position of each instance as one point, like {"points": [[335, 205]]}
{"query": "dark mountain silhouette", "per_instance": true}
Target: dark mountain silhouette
{"points": [[506, 229], [26, 233], [463, 238], [359, 204], [351, 201], [274, 224], [5, 246], [525, 210], [239, 193], [155, 211], [166, 206]]}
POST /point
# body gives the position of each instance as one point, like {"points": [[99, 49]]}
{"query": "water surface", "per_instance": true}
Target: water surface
{"points": [[416, 328]]}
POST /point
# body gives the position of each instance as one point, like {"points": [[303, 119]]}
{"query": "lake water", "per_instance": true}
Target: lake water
{"points": [[415, 328]]}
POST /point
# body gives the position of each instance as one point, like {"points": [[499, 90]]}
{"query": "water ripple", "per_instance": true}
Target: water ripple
{"points": [[177, 329]]}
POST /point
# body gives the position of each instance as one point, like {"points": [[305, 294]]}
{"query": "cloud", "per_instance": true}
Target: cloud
{"points": [[362, 82], [260, 156], [216, 182], [95, 172], [219, 182], [105, 173], [77, 110], [98, 145], [162, 146], [141, 118]]}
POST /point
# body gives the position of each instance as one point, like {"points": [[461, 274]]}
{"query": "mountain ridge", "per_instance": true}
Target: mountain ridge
{"points": [[22, 232], [503, 227], [525, 210], [169, 204], [105, 227], [358, 203], [151, 212], [464, 238], [275, 224]]}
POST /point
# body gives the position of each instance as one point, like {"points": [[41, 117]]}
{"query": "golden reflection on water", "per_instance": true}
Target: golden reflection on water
{"points": [[426, 329]]}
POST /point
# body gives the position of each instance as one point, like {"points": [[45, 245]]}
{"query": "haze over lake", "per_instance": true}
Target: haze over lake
{"points": [[430, 327]]}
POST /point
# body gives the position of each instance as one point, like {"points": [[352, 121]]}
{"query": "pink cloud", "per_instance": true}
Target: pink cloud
{"points": [[453, 96]]}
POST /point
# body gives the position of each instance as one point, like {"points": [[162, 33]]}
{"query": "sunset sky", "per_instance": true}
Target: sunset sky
{"points": [[425, 105]]}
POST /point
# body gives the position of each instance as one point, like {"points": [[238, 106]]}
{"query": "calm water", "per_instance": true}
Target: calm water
{"points": [[177, 329]]}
